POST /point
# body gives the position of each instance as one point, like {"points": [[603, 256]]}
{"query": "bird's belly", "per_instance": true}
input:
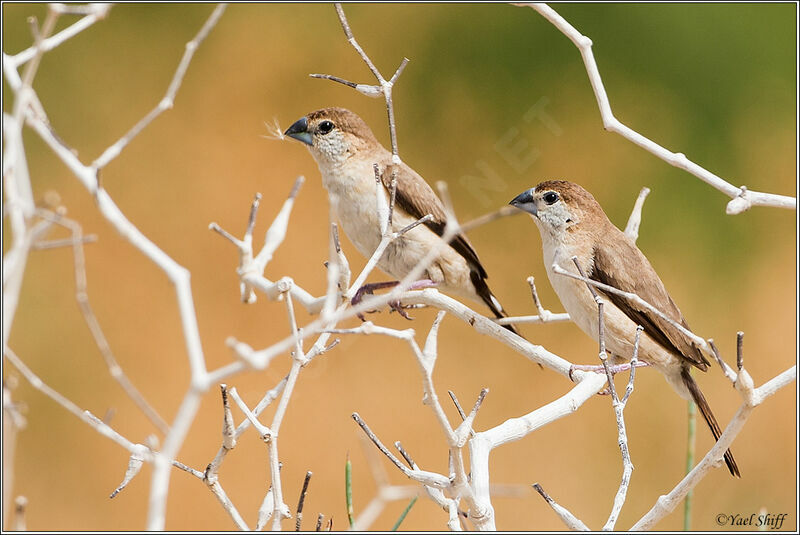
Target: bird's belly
{"points": [[448, 268], [360, 227], [353, 205], [359, 221]]}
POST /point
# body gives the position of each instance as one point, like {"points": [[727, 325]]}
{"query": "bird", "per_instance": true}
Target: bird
{"points": [[572, 224], [346, 152]]}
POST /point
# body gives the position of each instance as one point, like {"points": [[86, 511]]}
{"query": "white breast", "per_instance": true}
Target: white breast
{"points": [[573, 294], [353, 202]]}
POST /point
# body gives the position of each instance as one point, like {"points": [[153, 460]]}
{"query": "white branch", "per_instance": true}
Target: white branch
{"points": [[742, 198], [632, 228], [714, 458], [96, 12], [167, 102]]}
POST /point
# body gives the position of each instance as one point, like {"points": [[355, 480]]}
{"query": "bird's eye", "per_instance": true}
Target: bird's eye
{"points": [[550, 197], [325, 127]]}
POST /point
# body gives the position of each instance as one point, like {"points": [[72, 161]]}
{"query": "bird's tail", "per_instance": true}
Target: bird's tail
{"points": [[491, 301], [705, 410]]}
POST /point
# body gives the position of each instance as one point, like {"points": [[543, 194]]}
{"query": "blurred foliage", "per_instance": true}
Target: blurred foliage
{"points": [[715, 81]]}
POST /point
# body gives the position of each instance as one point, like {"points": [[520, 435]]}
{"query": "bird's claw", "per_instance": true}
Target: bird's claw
{"points": [[397, 306], [369, 289]]}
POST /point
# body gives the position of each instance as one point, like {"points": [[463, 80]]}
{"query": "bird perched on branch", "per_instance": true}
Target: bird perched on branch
{"points": [[573, 225], [346, 151]]}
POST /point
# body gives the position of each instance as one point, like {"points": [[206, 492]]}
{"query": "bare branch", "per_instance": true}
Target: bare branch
{"points": [[632, 228], [82, 297], [95, 12], [384, 86], [167, 102], [20, 506], [570, 520], [742, 198], [299, 515], [134, 465], [426, 478]]}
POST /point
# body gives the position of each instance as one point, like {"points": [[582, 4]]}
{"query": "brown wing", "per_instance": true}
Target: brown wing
{"points": [[625, 267], [416, 197]]}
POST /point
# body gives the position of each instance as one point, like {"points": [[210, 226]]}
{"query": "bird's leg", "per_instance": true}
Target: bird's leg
{"points": [[396, 305]]}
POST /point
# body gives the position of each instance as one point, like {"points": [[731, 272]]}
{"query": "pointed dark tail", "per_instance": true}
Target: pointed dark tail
{"points": [[705, 410], [491, 301]]}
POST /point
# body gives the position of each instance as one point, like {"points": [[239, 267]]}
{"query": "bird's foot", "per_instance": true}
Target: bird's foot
{"points": [[599, 368], [395, 305]]}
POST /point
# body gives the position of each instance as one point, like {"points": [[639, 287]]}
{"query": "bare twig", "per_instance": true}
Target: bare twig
{"points": [[622, 434], [134, 465], [570, 520], [301, 502], [386, 87], [13, 422], [739, 352], [632, 228], [727, 370], [742, 198], [457, 404], [95, 12], [544, 316], [375, 440], [86, 416], [82, 297], [20, 506], [319, 522], [167, 102]]}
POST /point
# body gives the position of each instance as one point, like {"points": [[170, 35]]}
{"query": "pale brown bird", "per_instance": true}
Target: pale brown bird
{"points": [[345, 150], [573, 224]]}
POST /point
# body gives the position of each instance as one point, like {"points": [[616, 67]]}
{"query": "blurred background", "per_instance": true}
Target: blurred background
{"points": [[493, 101]]}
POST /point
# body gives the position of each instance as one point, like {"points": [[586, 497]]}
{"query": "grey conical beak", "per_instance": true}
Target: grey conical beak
{"points": [[524, 201], [299, 131]]}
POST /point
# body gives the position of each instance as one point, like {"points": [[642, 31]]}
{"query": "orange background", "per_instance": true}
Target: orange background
{"points": [[715, 82]]}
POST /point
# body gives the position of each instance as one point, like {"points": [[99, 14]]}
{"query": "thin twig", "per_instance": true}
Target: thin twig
{"points": [[20, 506], [301, 502], [375, 440], [570, 520], [739, 351], [384, 86], [622, 437], [100, 340], [169, 98], [457, 404], [635, 219]]}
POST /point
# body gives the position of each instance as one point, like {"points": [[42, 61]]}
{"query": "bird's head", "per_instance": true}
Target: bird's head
{"points": [[333, 134], [557, 205]]}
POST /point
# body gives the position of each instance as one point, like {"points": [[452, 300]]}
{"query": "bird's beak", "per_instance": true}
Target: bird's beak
{"points": [[524, 201], [299, 131]]}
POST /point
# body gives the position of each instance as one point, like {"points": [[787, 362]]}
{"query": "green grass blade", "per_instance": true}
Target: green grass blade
{"points": [[348, 489], [690, 439], [404, 513]]}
